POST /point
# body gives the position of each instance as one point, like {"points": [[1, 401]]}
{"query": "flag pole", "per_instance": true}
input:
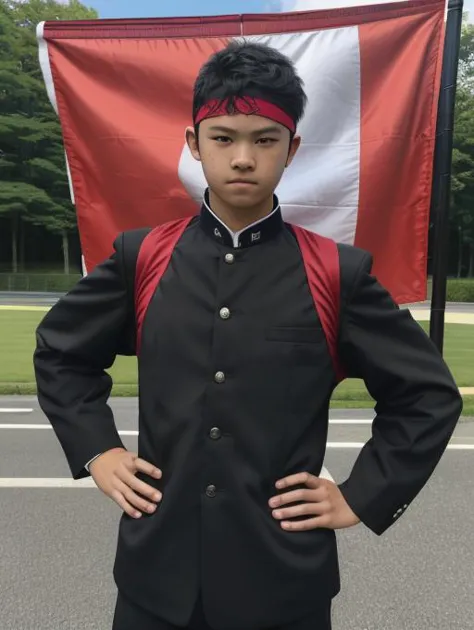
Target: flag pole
{"points": [[441, 189]]}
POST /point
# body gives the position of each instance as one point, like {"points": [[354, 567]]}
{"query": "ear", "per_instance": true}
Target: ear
{"points": [[192, 142], [294, 146]]}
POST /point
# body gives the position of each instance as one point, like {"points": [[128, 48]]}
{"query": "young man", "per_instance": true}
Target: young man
{"points": [[227, 523]]}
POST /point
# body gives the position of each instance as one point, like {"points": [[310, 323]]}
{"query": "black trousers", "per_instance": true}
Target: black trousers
{"points": [[129, 616]]}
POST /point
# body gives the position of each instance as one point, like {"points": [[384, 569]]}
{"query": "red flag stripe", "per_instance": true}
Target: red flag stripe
{"points": [[124, 151], [398, 128]]}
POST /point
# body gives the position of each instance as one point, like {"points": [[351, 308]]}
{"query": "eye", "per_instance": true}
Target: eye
{"points": [[222, 139], [267, 140]]}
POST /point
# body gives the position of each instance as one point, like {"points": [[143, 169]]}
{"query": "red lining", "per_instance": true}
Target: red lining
{"points": [[321, 261], [320, 258], [152, 262]]}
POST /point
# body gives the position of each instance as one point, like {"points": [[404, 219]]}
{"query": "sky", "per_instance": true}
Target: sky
{"points": [[169, 8]]}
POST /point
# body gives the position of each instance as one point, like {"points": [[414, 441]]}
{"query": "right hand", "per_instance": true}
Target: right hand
{"points": [[114, 473]]}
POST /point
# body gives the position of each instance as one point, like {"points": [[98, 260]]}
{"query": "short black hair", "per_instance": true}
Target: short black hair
{"points": [[250, 69]]}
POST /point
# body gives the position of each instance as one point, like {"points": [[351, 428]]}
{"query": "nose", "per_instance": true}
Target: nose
{"points": [[243, 159]]}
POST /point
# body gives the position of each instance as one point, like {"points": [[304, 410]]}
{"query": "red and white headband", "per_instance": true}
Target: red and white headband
{"points": [[248, 106]]}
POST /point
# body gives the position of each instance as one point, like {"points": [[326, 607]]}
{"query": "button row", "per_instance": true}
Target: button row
{"points": [[219, 377]]}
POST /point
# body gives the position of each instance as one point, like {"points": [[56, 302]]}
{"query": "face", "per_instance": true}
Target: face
{"points": [[243, 157]]}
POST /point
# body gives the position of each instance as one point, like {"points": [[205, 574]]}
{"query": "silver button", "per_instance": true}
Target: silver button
{"points": [[224, 313], [215, 433], [211, 491], [229, 258], [219, 377]]}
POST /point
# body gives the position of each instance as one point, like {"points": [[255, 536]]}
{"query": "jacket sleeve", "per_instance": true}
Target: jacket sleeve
{"points": [[417, 401], [76, 342]]}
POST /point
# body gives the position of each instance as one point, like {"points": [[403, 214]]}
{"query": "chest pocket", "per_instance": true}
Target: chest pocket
{"points": [[306, 350], [310, 370]]}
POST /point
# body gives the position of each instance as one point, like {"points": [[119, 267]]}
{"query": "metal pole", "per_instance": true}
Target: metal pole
{"points": [[441, 189]]}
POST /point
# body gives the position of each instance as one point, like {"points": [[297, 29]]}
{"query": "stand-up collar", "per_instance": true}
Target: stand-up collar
{"points": [[254, 234]]}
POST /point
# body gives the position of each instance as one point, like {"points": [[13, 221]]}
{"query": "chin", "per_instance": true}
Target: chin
{"points": [[243, 198], [243, 201]]}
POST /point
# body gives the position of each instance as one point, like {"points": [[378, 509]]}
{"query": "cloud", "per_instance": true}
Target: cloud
{"points": [[311, 5], [285, 5], [277, 6], [303, 5], [300, 5]]}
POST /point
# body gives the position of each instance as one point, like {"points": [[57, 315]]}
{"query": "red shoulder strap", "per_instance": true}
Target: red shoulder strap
{"points": [[321, 261], [152, 262]]}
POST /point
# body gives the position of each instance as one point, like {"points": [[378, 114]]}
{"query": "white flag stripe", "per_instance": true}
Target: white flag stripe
{"points": [[320, 191]]}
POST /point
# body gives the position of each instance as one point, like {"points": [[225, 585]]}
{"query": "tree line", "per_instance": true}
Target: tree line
{"points": [[34, 187], [33, 181], [462, 173]]}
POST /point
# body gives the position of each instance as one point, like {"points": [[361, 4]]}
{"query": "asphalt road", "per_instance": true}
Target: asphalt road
{"points": [[58, 543]]}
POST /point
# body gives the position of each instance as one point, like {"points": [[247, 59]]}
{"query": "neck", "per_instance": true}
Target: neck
{"points": [[237, 219]]}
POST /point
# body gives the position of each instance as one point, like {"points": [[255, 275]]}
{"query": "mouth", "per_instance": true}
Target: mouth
{"points": [[243, 182]]}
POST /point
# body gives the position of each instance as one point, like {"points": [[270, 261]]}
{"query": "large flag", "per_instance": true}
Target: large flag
{"points": [[363, 175]]}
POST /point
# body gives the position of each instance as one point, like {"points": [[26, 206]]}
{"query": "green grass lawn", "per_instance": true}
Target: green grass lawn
{"points": [[17, 344]]}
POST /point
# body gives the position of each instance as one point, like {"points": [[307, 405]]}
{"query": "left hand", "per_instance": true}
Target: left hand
{"points": [[323, 503]]}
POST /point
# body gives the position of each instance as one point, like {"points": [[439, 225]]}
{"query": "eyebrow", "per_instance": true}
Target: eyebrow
{"points": [[257, 132]]}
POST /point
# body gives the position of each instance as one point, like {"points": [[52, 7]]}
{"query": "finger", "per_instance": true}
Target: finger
{"points": [[147, 468], [306, 494], [309, 523], [118, 497], [142, 488], [128, 477], [301, 510], [134, 499], [302, 494], [299, 478]]}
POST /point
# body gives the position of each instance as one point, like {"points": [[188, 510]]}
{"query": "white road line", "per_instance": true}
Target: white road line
{"points": [[68, 482], [350, 421], [47, 482], [15, 410], [25, 426], [126, 432], [461, 447], [48, 427], [359, 445], [345, 444]]}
